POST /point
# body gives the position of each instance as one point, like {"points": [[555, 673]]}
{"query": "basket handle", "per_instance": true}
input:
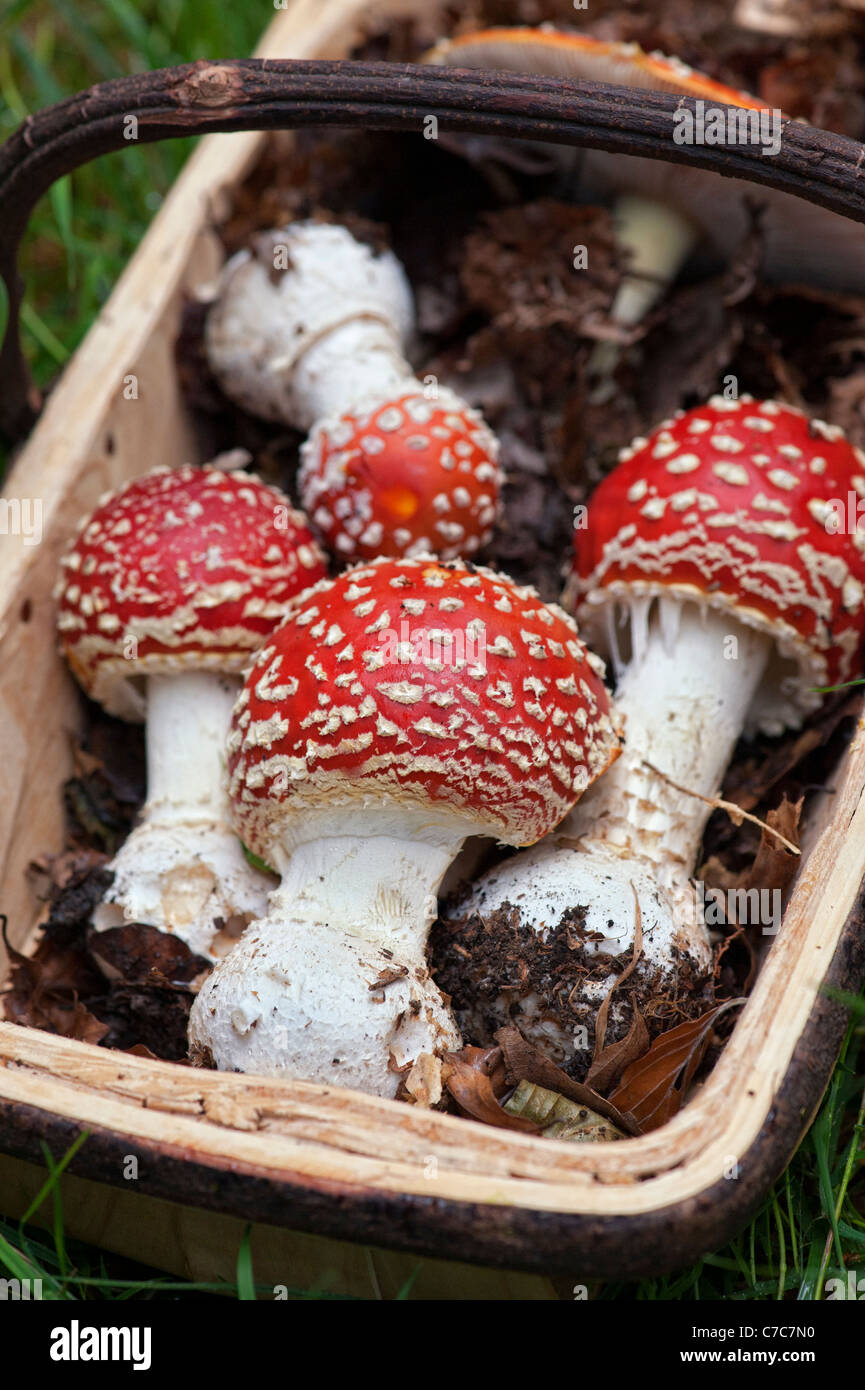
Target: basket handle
{"points": [[267, 94]]}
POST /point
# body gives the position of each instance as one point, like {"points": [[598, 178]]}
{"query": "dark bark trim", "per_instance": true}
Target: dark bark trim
{"points": [[265, 94]]}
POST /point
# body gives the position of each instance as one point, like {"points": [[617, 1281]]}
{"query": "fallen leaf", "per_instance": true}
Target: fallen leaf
{"points": [[652, 1089], [142, 954], [609, 1065], [773, 867], [469, 1081], [560, 1118], [523, 1062]]}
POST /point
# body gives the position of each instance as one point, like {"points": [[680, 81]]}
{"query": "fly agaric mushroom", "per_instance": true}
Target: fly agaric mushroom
{"points": [[663, 210], [168, 589], [713, 571], [390, 467], [400, 708]]}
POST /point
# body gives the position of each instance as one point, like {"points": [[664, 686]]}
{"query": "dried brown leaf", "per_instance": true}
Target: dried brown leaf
{"points": [[610, 1064], [142, 954], [652, 1089], [472, 1088], [524, 1062]]}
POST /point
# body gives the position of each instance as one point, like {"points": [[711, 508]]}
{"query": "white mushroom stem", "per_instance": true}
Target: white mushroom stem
{"points": [[685, 694], [656, 240], [311, 325], [361, 361], [375, 887], [332, 986], [182, 868], [187, 722]]}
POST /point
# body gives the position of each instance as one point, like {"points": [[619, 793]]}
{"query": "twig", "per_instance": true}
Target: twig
{"points": [[603, 1011], [736, 814]]}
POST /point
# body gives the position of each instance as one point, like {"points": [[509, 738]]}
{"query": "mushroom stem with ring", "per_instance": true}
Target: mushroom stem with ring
{"points": [[684, 693], [381, 887]]}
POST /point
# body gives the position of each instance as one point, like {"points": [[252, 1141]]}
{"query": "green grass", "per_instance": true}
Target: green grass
{"points": [[85, 229], [812, 1227]]}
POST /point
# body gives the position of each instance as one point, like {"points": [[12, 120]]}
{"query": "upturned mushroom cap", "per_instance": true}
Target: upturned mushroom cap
{"points": [[433, 695], [799, 239], [183, 569], [403, 476], [740, 505], [587, 59]]}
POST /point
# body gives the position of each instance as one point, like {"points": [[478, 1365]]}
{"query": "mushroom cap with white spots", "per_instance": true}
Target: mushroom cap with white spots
{"points": [[425, 694], [741, 505], [182, 569], [405, 475]]}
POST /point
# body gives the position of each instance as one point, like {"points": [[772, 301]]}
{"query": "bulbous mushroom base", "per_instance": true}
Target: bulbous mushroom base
{"points": [[544, 935], [191, 880], [315, 1004]]}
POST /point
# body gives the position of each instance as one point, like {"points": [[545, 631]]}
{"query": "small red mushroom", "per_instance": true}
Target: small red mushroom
{"points": [[391, 466], [399, 709], [413, 476], [168, 589]]}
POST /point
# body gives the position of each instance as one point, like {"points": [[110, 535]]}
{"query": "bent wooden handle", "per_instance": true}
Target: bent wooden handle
{"points": [[265, 94]]}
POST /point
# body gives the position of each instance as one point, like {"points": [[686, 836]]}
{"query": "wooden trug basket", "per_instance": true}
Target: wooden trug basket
{"points": [[217, 1150]]}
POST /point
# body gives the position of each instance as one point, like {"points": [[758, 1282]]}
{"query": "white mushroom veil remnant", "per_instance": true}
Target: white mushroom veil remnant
{"points": [[716, 571], [311, 328], [400, 708], [168, 589]]}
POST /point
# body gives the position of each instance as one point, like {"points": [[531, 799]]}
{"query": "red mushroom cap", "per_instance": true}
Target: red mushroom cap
{"points": [[188, 568], [407, 476], [410, 685], [580, 56], [743, 505]]}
